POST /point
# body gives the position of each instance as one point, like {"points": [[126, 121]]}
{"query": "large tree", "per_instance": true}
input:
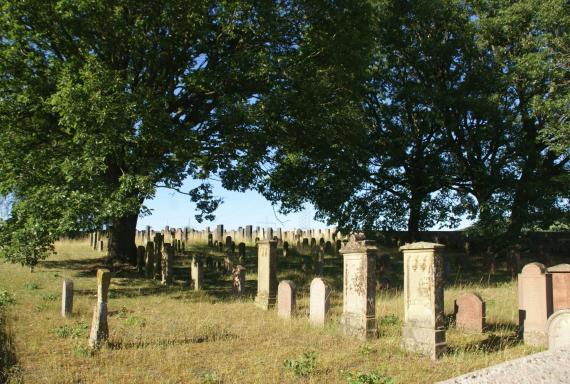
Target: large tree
{"points": [[103, 102]]}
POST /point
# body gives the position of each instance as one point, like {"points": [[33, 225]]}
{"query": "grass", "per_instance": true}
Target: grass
{"points": [[173, 334]]}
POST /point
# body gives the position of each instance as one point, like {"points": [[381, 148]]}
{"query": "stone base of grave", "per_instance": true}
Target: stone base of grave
{"points": [[358, 326], [535, 338], [429, 342], [99, 326], [265, 301]]}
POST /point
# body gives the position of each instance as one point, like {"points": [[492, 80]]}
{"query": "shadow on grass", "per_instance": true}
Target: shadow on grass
{"points": [[86, 267], [500, 337], [7, 355], [202, 338]]}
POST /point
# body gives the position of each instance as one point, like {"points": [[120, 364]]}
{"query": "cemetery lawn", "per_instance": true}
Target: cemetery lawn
{"points": [[173, 334]]}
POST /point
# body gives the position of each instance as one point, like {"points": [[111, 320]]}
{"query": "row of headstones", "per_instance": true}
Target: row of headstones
{"points": [[544, 304], [424, 319], [319, 300]]}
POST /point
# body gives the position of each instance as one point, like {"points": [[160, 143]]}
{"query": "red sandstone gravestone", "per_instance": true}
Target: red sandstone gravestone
{"points": [[560, 286], [470, 312]]}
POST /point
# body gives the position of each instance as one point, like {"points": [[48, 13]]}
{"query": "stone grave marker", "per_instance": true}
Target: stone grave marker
{"points": [[149, 260], [266, 274], [197, 274], [140, 259], [560, 275], [533, 297], [359, 288], [167, 263], [99, 326], [470, 312], [286, 299], [558, 330], [319, 302], [424, 319], [238, 280], [67, 298]]}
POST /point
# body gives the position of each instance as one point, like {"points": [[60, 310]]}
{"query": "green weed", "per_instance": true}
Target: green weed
{"points": [[304, 365]]}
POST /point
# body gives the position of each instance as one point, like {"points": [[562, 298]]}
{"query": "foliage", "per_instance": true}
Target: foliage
{"points": [[375, 377], [6, 298], [77, 331], [304, 366]]}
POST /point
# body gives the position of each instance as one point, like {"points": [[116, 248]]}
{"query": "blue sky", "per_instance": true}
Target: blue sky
{"points": [[238, 210]]}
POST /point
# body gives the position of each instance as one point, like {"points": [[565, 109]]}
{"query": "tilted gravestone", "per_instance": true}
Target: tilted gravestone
{"points": [[99, 326], [424, 319], [558, 330], [470, 312], [67, 298], [266, 274], [319, 302], [359, 288], [286, 299]]}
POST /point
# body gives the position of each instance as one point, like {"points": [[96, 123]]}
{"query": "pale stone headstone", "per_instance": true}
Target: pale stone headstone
{"points": [[95, 240], [286, 299], [359, 288], [99, 326], [140, 259], [197, 273], [249, 233], [560, 275], [220, 233], [266, 274], [67, 298], [158, 241], [470, 312], [319, 302], [149, 260], [320, 264], [167, 263], [558, 329], [424, 319], [533, 298], [238, 280]]}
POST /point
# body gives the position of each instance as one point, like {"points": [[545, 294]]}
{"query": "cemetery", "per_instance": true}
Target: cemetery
{"points": [[285, 191], [262, 311]]}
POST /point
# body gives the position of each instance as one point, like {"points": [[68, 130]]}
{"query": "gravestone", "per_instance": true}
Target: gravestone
{"points": [[101, 246], [241, 252], [533, 297], [319, 302], [266, 274], [560, 275], [320, 264], [95, 240], [140, 259], [210, 240], [228, 242], [470, 312], [424, 319], [286, 299], [149, 261], [67, 298], [305, 244], [158, 241], [167, 263], [238, 280], [249, 233], [219, 233], [285, 248], [197, 274], [558, 330], [359, 288], [99, 326]]}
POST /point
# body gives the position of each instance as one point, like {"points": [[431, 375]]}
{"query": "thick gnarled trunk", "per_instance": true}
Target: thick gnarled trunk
{"points": [[122, 239]]}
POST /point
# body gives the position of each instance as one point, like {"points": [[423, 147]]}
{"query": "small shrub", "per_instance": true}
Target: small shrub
{"points": [[366, 350], [375, 377], [389, 320], [49, 297], [211, 378], [41, 307], [31, 286], [79, 330], [122, 313], [6, 298], [81, 350], [135, 321], [304, 365]]}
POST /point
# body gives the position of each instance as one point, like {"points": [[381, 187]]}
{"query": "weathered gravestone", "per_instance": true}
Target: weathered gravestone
{"points": [[167, 263], [158, 241], [241, 252], [319, 302], [359, 288], [238, 280], [149, 260], [424, 320], [67, 298], [560, 275], [99, 326], [320, 264], [197, 274], [558, 329], [140, 259], [286, 299], [470, 312], [533, 297], [266, 274]]}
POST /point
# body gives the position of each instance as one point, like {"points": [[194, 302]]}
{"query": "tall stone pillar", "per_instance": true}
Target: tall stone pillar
{"points": [[99, 326], [149, 260], [266, 274], [359, 288], [424, 320], [67, 298], [167, 263], [196, 273]]}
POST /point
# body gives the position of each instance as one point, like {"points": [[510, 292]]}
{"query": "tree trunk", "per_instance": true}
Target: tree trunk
{"points": [[414, 218], [122, 239]]}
